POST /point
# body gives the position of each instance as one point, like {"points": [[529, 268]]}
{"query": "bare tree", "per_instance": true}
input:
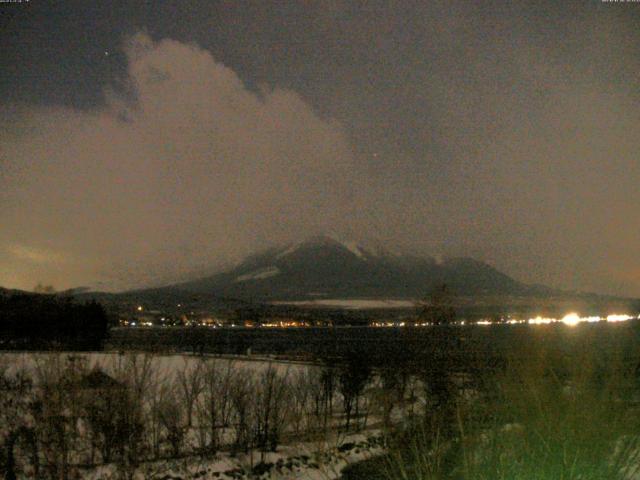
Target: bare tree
{"points": [[112, 416], [214, 412], [55, 412], [393, 381], [270, 408], [190, 385], [138, 373], [153, 425], [241, 391], [16, 395], [172, 418], [301, 388], [328, 384]]}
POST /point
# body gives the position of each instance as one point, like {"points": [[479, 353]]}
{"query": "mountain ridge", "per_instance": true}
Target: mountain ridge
{"points": [[324, 271], [325, 267]]}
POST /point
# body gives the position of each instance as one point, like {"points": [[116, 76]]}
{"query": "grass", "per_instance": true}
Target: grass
{"points": [[561, 414]]}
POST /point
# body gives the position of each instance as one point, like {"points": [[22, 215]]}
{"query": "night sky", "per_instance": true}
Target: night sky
{"points": [[148, 142]]}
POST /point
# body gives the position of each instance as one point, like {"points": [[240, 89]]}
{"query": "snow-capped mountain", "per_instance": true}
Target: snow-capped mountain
{"points": [[324, 267]]}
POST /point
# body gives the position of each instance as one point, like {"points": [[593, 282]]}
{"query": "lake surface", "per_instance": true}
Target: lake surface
{"points": [[465, 343]]}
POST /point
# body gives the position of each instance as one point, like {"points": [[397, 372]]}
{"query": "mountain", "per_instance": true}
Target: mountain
{"points": [[323, 267], [325, 272], [8, 292]]}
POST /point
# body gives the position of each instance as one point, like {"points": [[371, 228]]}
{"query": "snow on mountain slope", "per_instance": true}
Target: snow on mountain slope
{"points": [[360, 251], [259, 274], [352, 246]]}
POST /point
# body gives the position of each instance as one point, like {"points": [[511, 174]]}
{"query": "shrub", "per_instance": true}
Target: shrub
{"points": [[553, 415]]}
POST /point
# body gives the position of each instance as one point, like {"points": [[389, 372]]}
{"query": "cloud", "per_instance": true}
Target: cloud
{"points": [[505, 144], [35, 255], [189, 169]]}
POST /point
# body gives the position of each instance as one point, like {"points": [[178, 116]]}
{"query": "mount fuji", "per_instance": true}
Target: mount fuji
{"points": [[324, 267]]}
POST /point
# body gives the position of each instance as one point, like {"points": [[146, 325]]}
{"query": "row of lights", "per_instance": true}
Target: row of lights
{"points": [[571, 319]]}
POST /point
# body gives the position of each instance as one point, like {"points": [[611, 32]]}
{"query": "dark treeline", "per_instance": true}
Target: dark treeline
{"points": [[34, 321]]}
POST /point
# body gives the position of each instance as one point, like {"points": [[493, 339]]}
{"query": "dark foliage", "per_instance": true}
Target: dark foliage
{"points": [[50, 321]]}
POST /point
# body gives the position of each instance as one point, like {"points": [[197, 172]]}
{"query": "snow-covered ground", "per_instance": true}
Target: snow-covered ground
{"points": [[301, 461], [166, 365], [309, 445], [305, 449]]}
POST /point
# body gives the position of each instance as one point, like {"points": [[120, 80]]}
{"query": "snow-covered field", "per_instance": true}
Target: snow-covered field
{"points": [[184, 417], [300, 461], [181, 417], [164, 365]]}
